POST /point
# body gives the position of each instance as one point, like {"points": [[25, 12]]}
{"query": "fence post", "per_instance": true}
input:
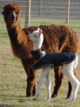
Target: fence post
{"points": [[68, 11], [27, 13], [40, 8]]}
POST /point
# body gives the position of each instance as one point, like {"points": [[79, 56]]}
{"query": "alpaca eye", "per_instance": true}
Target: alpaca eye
{"points": [[35, 36], [7, 12], [16, 12]]}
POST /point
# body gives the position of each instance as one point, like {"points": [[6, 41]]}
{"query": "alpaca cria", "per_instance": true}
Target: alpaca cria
{"points": [[47, 61], [56, 39]]}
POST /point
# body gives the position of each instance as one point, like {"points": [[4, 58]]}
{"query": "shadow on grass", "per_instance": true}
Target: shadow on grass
{"points": [[4, 105]]}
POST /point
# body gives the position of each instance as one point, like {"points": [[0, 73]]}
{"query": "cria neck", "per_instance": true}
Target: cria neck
{"points": [[36, 53]]}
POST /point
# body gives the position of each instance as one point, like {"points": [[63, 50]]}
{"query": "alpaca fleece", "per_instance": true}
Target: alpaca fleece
{"points": [[56, 39]]}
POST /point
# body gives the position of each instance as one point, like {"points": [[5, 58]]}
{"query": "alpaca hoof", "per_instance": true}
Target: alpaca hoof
{"points": [[71, 101], [68, 99], [53, 96], [34, 98], [47, 99]]}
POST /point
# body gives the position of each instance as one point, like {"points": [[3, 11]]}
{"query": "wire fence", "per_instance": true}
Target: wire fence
{"points": [[45, 12]]}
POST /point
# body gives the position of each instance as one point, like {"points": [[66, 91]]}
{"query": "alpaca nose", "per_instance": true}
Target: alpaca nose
{"points": [[12, 16]]}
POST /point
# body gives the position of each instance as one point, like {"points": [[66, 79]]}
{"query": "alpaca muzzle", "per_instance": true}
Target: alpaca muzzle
{"points": [[13, 17]]}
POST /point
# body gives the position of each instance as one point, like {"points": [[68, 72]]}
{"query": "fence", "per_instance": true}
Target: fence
{"points": [[41, 12]]}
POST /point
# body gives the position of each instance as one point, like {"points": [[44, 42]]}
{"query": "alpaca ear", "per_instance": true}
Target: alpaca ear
{"points": [[20, 11], [40, 32], [2, 13]]}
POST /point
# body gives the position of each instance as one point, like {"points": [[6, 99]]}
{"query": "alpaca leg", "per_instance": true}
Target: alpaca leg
{"points": [[31, 84], [68, 71], [75, 65], [34, 90], [75, 87], [40, 80], [69, 96], [70, 87], [31, 75], [48, 84], [58, 81]]}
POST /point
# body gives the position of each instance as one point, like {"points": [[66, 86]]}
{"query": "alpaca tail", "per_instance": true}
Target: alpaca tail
{"points": [[76, 61]]}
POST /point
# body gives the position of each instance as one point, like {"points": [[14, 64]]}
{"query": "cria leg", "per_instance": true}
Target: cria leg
{"points": [[68, 71], [48, 84], [40, 80], [75, 87], [58, 81]]}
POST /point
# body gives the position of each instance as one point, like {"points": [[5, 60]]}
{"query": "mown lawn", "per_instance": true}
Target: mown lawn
{"points": [[13, 81]]}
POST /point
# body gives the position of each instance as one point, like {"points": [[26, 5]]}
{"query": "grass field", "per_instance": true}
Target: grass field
{"points": [[13, 79]]}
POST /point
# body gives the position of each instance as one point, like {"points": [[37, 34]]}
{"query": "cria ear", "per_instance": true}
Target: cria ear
{"points": [[38, 28], [40, 32]]}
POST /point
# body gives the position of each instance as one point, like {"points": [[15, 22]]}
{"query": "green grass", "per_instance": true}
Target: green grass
{"points": [[13, 77]]}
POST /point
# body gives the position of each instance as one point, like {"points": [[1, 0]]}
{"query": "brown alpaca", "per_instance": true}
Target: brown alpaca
{"points": [[56, 39]]}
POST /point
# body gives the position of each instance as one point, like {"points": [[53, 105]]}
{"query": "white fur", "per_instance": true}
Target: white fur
{"points": [[67, 70], [38, 40], [45, 72]]}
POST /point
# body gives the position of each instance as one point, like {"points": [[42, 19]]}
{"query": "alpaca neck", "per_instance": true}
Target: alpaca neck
{"points": [[38, 44], [15, 33], [37, 48], [36, 53]]}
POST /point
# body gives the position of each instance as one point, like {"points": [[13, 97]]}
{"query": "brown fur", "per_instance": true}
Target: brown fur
{"points": [[56, 39]]}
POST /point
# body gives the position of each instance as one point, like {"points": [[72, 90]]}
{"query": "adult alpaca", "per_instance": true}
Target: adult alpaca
{"points": [[56, 39]]}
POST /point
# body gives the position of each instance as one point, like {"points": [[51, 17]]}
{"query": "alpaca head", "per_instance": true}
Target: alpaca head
{"points": [[11, 13], [37, 37]]}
